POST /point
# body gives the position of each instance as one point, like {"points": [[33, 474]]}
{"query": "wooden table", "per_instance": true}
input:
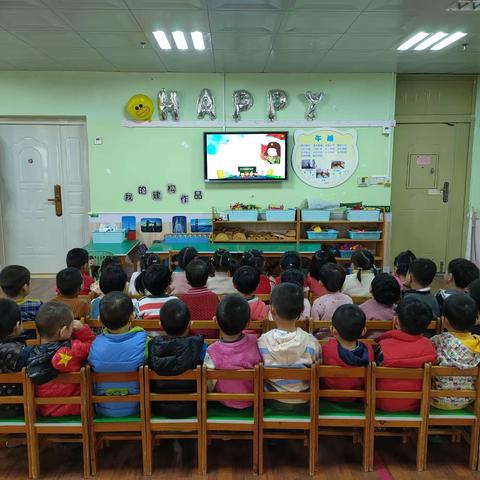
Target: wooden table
{"points": [[120, 250]]}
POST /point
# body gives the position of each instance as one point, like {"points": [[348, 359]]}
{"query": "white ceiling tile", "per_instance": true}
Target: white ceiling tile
{"points": [[7, 39], [51, 39], [169, 20], [115, 39], [288, 41], [166, 4], [366, 42], [78, 54], [100, 20], [317, 22], [379, 22], [235, 41], [86, 4], [86, 65], [21, 4], [283, 62], [244, 21], [176, 61], [248, 4], [241, 60], [331, 5], [132, 60], [428, 6], [31, 19]]}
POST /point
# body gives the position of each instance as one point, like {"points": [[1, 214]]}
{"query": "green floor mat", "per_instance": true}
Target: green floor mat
{"points": [[341, 409]]}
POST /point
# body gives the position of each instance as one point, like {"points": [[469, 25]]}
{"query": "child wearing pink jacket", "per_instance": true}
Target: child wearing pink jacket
{"points": [[246, 280]]}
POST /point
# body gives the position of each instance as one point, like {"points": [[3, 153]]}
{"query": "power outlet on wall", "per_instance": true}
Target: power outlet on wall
{"points": [[363, 181]]}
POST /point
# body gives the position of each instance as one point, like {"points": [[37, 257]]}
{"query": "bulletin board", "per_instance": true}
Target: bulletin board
{"points": [[325, 158]]}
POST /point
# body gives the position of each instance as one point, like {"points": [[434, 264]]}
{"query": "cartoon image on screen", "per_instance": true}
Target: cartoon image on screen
{"points": [[238, 156]]}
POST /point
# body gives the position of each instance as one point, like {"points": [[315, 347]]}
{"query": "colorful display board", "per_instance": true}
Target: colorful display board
{"points": [[325, 158]]}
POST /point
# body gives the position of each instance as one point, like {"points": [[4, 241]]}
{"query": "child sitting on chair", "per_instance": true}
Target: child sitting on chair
{"points": [[286, 345], [69, 284], [332, 277], [386, 294], [65, 343], [221, 281], [357, 284], [401, 265], [320, 259], [136, 286], [13, 354], [156, 280], [458, 348], [78, 258], [288, 261], [405, 348], [112, 279], [254, 258], [296, 276], [345, 350], [179, 284], [174, 354], [120, 348], [246, 280], [235, 350]]}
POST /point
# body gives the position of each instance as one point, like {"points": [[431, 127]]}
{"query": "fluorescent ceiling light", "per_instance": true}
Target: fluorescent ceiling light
{"points": [[436, 37], [180, 40], [413, 41], [450, 39], [197, 39], [162, 40]]}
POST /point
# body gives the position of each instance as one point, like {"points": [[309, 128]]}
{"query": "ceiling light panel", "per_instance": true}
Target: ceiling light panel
{"points": [[180, 40], [417, 38], [436, 37]]}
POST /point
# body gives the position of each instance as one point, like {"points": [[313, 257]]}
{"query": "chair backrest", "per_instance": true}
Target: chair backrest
{"points": [[358, 299], [19, 378], [264, 297], [148, 325], [270, 325], [189, 375], [31, 325]]}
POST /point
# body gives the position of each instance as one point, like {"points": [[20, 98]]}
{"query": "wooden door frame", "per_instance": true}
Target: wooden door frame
{"points": [[442, 119], [41, 120]]}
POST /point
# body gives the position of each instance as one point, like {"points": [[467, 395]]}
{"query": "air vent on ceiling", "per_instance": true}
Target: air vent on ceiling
{"points": [[465, 6]]}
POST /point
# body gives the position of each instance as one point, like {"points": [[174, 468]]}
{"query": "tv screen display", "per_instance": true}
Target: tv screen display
{"points": [[245, 156]]}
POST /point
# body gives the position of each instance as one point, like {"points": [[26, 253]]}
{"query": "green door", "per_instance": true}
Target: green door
{"points": [[428, 190]]}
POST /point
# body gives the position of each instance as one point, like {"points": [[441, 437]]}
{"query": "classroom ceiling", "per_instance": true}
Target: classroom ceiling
{"points": [[241, 35]]}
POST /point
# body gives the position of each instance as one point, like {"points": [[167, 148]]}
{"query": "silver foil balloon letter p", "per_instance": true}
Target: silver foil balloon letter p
{"points": [[277, 100], [242, 101]]}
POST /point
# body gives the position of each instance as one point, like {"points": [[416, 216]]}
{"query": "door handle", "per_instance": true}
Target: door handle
{"points": [[57, 192], [445, 191]]}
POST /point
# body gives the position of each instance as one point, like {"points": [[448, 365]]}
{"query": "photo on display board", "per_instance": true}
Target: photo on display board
{"points": [[151, 225], [200, 225], [179, 224]]}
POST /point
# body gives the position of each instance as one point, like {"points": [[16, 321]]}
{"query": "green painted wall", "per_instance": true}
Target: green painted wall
{"points": [[475, 173], [156, 156]]}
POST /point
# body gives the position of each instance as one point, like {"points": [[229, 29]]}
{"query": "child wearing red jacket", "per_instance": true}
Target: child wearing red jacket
{"points": [[246, 280], [405, 348], [348, 325], [65, 344]]}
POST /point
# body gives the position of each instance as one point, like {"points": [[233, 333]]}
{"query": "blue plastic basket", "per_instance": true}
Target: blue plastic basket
{"points": [[242, 215], [311, 215], [346, 253], [331, 235], [363, 215], [280, 215], [374, 235], [117, 236]]}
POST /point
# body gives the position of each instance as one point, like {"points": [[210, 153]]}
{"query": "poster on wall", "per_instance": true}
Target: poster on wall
{"points": [[325, 158]]}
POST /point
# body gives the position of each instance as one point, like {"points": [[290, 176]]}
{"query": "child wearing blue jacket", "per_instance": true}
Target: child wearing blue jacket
{"points": [[119, 348]]}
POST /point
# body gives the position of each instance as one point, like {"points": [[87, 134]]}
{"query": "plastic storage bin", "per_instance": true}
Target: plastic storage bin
{"points": [[365, 235], [312, 215], [363, 215], [346, 253], [280, 215], [108, 237], [242, 215], [331, 235]]}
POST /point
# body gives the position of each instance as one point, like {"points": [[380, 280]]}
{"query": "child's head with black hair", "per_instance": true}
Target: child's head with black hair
{"points": [[362, 260], [421, 273], [233, 315], [254, 258], [109, 262], [290, 259], [220, 261], [233, 267], [15, 281], [146, 261], [332, 277], [461, 273], [113, 279], [287, 302], [185, 256], [413, 315], [385, 289], [246, 280], [175, 318], [69, 281], [157, 278], [197, 273], [320, 258], [460, 312], [292, 275], [348, 323], [78, 258], [55, 321], [402, 263], [116, 311], [474, 291], [10, 321]]}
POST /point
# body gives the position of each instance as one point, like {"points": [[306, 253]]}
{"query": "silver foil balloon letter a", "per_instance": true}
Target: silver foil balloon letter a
{"points": [[312, 98], [206, 105], [277, 100], [242, 101], [167, 103]]}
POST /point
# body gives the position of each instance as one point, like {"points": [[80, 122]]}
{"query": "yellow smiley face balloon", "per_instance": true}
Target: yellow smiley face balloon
{"points": [[140, 107]]}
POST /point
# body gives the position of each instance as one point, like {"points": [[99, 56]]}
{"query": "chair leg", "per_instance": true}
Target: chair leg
{"points": [[474, 445], [371, 448], [260, 452], [200, 447], [311, 451], [255, 452], [204, 451], [146, 453], [366, 449], [35, 456], [422, 440], [86, 456], [93, 453]]}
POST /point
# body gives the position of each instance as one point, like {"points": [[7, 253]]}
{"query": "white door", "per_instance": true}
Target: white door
{"points": [[33, 159]]}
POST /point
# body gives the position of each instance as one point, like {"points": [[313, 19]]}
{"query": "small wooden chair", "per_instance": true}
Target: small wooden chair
{"points": [[148, 325], [288, 425], [104, 428], [208, 328], [349, 415], [222, 422], [413, 420], [31, 325], [264, 297], [76, 426], [358, 299], [158, 427], [451, 420], [18, 426], [270, 325]]}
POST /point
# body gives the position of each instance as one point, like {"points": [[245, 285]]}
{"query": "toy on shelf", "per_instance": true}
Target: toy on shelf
{"points": [[242, 206], [346, 249]]}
